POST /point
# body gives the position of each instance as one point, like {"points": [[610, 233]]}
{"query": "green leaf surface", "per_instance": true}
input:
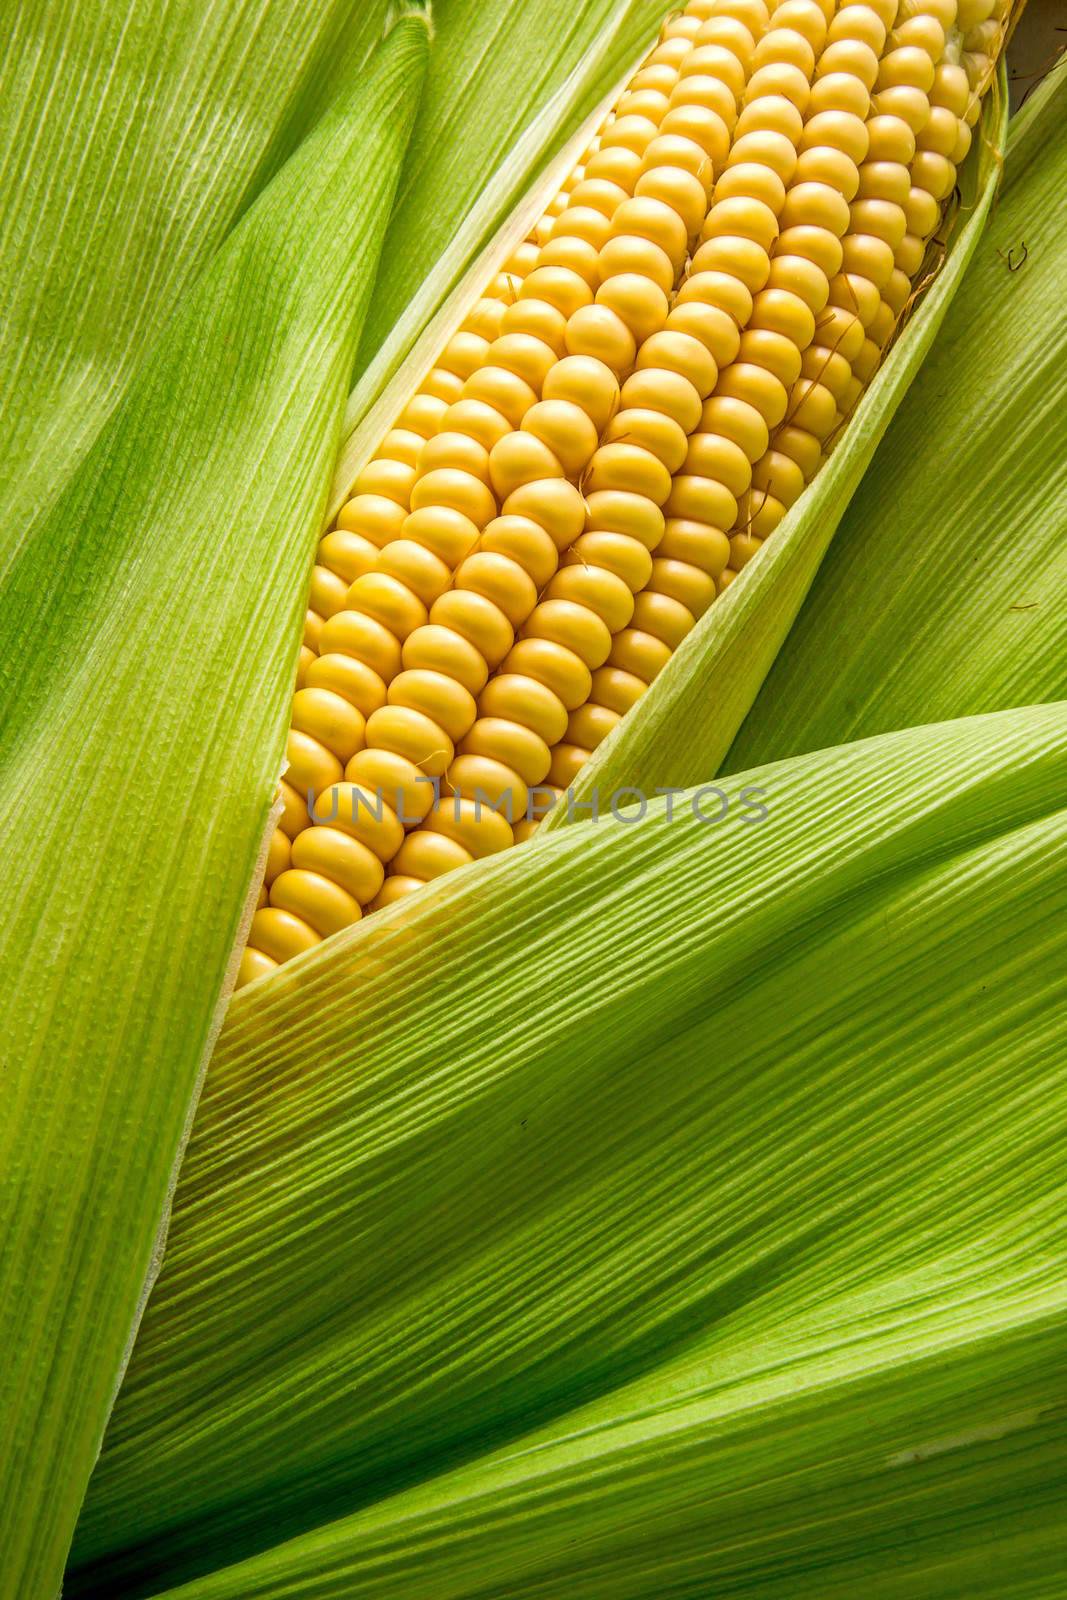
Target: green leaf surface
{"points": [[945, 592], [132, 137], [681, 1164], [146, 706], [681, 729], [508, 87]]}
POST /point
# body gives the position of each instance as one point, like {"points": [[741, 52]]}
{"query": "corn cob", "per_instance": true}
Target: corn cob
{"points": [[613, 431], [410, 539]]}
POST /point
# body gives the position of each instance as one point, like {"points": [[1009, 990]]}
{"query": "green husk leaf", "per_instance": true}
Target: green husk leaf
{"points": [[509, 88], [146, 714], [943, 594], [133, 137], [633, 1130], [682, 728]]}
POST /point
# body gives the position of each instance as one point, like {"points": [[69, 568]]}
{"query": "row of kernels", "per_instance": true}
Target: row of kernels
{"points": [[896, 211], [758, 323], [713, 313]]}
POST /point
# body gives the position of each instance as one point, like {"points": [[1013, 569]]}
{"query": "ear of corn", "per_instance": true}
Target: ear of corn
{"points": [[147, 670], [804, 154], [652, 1253]]}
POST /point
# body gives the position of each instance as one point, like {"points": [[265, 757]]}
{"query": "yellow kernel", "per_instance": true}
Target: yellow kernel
{"points": [[680, 353], [538, 320], [758, 387], [737, 419], [598, 590], [696, 543], [279, 855], [710, 455], [412, 565], [515, 698], [388, 601], [618, 511], [328, 591], [587, 383], [501, 389], [501, 580], [744, 217], [347, 554], [458, 489], [598, 332], [628, 254], [294, 814], [554, 504], [736, 257], [314, 898], [839, 130], [455, 450], [345, 861], [553, 665], [474, 826], [369, 641], [484, 318], [425, 855], [565, 430], [513, 745], [330, 719], [567, 762], [637, 301], [373, 517], [477, 420], [559, 286], [616, 690], [409, 732], [667, 392], [575, 257], [312, 767], [761, 347], [254, 964], [652, 431], [698, 499], [521, 458], [641, 653], [476, 619], [590, 726], [574, 627], [280, 935], [436, 649], [448, 534], [663, 617], [909, 105], [525, 543], [689, 585], [628, 467], [626, 558], [802, 447], [437, 696], [812, 406]]}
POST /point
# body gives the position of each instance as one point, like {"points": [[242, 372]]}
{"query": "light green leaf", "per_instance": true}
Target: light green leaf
{"points": [[944, 592], [636, 1119], [683, 727], [146, 722], [507, 88], [132, 137]]}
